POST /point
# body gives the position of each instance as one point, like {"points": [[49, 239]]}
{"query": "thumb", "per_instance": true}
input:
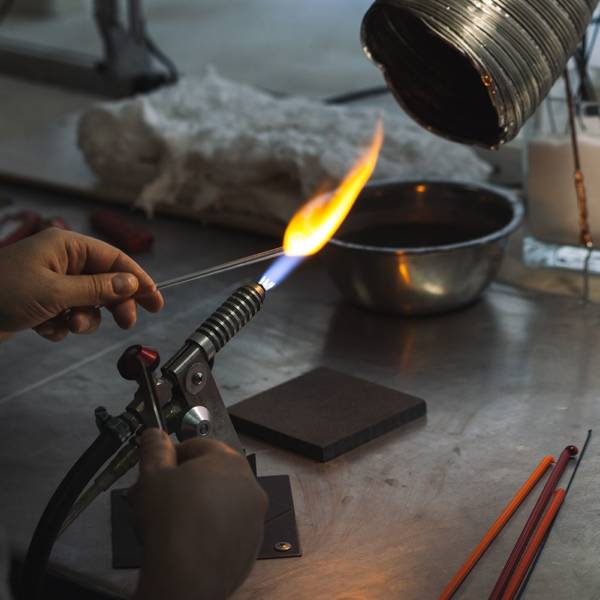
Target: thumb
{"points": [[98, 289], [157, 452]]}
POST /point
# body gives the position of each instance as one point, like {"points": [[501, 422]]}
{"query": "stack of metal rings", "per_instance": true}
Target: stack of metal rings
{"points": [[473, 70]]}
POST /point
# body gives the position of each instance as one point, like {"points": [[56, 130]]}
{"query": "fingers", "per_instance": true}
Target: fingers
{"points": [[157, 452], [101, 273], [197, 447], [153, 302], [84, 320], [80, 320], [96, 290], [116, 291], [100, 257], [124, 314], [55, 329]]}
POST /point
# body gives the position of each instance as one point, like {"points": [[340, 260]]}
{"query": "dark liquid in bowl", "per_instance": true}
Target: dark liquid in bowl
{"points": [[413, 235]]}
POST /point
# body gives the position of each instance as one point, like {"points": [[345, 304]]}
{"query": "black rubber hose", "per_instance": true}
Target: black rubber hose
{"points": [[46, 532]]}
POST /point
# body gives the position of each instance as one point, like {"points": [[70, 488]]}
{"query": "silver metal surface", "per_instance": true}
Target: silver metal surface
{"points": [[223, 268], [195, 379], [231, 316], [201, 341], [282, 546], [180, 369], [440, 276], [508, 380], [195, 423], [473, 70]]}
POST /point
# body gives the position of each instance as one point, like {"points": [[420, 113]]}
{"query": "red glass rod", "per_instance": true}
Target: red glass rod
{"points": [[532, 521]]}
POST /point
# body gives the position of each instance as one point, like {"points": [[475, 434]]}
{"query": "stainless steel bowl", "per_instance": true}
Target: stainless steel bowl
{"points": [[421, 247]]}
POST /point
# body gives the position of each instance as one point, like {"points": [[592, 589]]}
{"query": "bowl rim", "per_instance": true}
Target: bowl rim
{"points": [[511, 198]]}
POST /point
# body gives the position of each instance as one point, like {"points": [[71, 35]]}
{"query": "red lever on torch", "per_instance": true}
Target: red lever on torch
{"points": [[129, 364], [137, 363]]}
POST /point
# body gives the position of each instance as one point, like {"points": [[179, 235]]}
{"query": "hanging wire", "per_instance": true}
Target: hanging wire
{"points": [[585, 236]]}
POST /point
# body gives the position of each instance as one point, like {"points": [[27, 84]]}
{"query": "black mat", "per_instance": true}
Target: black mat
{"points": [[126, 547], [324, 413], [280, 538]]}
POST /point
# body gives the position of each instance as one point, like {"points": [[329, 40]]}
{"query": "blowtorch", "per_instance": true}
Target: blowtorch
{"points": [[183, 400]]}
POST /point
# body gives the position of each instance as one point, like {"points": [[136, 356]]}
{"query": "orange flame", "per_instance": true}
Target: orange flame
{"points": [[316, 222]]}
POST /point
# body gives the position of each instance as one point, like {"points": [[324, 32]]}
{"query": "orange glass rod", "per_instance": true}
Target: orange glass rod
{"points": [[496, 528]]}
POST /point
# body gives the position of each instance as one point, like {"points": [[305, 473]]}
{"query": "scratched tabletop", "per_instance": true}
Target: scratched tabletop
{"points": [[508, 380]]}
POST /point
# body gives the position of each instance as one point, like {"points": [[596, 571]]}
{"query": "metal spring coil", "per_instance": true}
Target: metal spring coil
{"points": [[233, 314], [474, 70]]}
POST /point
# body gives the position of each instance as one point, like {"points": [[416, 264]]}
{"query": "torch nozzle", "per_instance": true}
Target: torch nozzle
{"points": [[230, 317]]}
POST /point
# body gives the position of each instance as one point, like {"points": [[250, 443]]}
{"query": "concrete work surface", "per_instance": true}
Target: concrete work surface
{"points": [[507, 381]]}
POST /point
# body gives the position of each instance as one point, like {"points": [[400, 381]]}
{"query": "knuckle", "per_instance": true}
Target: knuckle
{"points": [[152, 439], [93, 326], [228, 455], [154, 444], [202, 446], [58, 336], [225, 450], [96, 287], [54, 293], [211, 445], [54, 234]]}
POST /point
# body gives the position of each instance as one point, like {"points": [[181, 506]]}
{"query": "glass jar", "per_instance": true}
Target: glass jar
{"points": [[552, 223]]}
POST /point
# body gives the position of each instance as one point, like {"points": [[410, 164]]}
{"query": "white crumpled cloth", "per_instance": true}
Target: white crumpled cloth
{"points": [[211, 144]]}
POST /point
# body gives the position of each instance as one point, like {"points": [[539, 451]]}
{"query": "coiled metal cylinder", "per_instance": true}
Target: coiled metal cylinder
{"points": [[473, 70], [229, 318]]}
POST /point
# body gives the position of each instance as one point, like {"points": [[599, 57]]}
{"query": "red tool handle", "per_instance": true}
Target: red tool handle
{"points": [[57, 222], [532, 521], [123, 233], [28, 224]]}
